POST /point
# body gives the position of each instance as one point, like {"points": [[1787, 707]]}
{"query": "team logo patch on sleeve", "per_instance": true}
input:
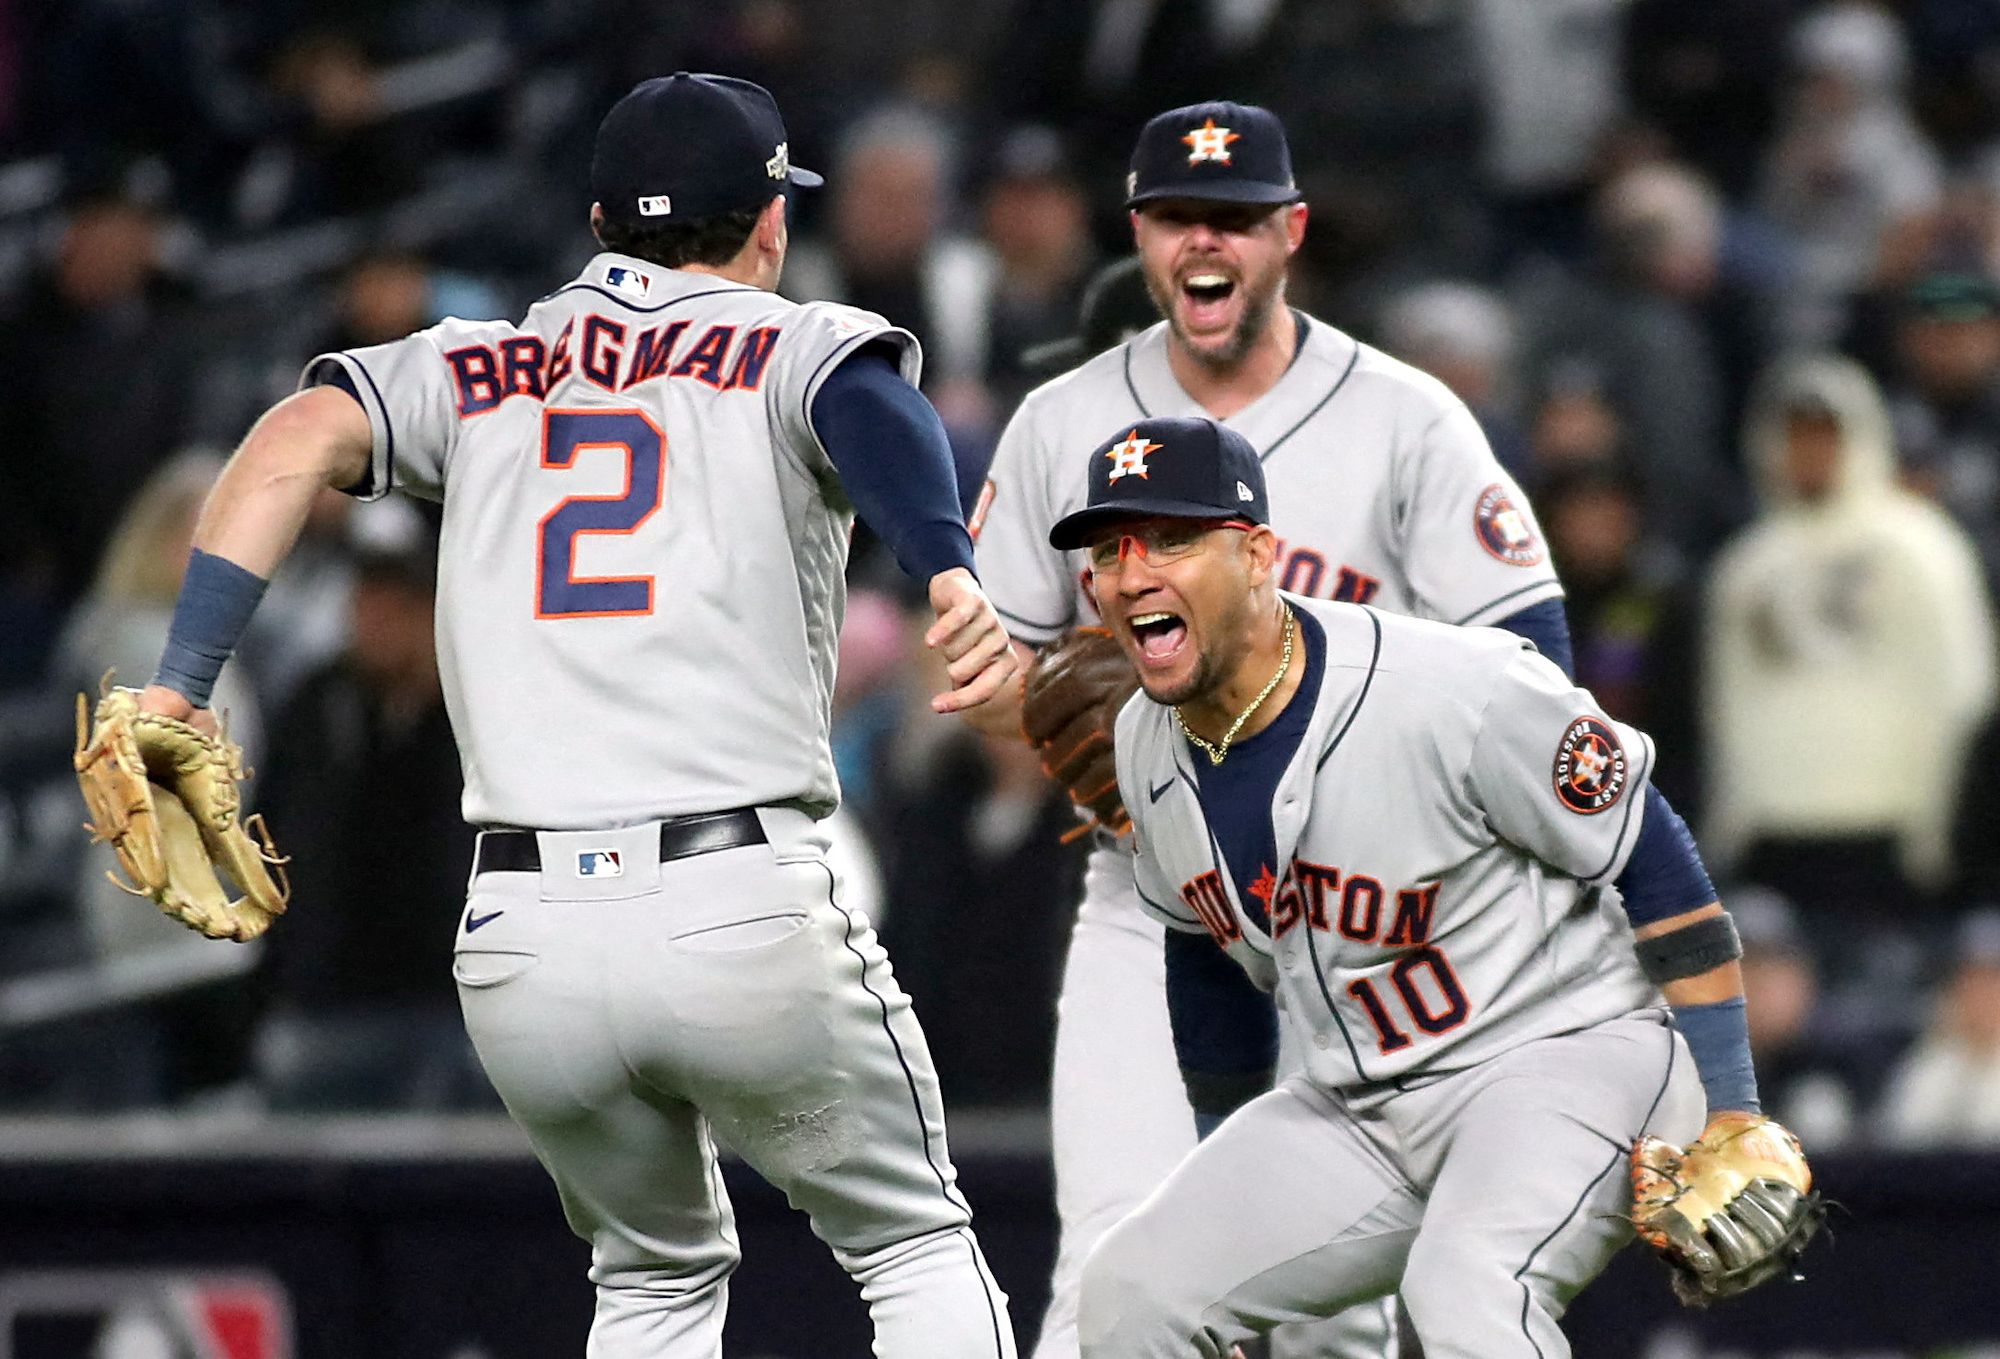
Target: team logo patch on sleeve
{"points": [[1503, 530], [1590, 771]]}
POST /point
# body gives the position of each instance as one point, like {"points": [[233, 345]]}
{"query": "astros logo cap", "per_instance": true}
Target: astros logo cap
{"points": [[1223, 151], [683, 147], [1169, 468]]}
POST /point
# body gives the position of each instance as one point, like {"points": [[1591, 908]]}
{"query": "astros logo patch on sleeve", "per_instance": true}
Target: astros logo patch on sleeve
{"points": [[1503, 530], [1590, 773]]}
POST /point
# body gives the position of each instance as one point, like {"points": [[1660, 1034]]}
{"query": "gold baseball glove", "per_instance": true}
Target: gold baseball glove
{"points": [[1732, 1211], [167, 797]]}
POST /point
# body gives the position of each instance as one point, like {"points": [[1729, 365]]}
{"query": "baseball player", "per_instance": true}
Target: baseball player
{"points": [[648, 485], [1388, 495], [1402, 829]]}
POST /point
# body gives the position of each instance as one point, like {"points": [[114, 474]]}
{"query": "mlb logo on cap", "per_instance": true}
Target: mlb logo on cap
{"points": [[599, 863], [1169, 468]]}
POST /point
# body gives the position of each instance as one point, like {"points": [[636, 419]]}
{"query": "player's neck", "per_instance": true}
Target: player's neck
{"points": [[1224, 389], [738, 270], [1211, 717]]}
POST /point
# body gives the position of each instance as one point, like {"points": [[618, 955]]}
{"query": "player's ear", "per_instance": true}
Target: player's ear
{"points": [[1295, 227], [597, 222], [771, 225], [1260, 550]]}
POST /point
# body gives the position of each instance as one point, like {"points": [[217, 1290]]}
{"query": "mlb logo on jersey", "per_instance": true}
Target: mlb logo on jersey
{"points": [[599, 863], [628, 281]]}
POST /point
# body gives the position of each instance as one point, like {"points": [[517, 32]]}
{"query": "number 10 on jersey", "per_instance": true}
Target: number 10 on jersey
{"points": [[566, 434]]}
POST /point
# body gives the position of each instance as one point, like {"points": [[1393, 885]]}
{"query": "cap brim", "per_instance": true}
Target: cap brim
{"points": [[806, 179], [1219, 191], [1071, 530]]}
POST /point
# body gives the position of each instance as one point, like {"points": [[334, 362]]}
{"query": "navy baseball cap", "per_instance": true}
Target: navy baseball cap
{"points": [[1223, 151], [1172, 467], [683, 147]]}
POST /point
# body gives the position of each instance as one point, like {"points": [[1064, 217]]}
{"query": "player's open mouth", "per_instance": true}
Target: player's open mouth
{"points": [[1205, 297], [1159, 635]]}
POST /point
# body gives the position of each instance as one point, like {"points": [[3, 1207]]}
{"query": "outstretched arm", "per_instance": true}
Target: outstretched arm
{"points": [[307, 442]]}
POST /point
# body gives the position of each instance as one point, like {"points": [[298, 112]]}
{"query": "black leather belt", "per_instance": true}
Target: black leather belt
{"points": [[517, 851]]}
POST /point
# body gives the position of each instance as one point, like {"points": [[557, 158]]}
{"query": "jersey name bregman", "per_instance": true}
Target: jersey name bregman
{"points": [[523, 365]]}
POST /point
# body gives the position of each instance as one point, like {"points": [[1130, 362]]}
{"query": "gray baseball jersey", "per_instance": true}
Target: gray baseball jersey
{"points": [[598, 665], [1382, 487], [1440, 831], [1384, 491]]}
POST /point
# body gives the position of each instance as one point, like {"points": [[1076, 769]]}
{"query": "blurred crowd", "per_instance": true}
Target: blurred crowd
{"points": [[1721, 282]]}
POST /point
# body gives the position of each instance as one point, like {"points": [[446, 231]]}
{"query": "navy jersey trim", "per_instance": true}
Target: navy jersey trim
{"points": [[1312, 948], [581, 286], [909, 1077], [1625, 826], [1367, 683], [388, 425], [1331, 392], [1619, 1156], [1497, 601], [1132, 387]]}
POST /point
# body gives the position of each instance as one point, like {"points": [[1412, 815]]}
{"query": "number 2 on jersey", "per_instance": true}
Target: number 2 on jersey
{"points": [[565, 434]]}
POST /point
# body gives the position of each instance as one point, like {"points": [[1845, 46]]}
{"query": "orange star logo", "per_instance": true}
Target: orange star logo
{"points": [[1264, 886], [1209, 142], [1128, 458]]}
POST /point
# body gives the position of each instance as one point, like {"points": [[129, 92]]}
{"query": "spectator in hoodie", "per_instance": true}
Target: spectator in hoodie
{"points": [[1849, 661]]}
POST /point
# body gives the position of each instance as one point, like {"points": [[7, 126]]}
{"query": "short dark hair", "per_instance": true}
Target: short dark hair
{"points": [[706, 240]]}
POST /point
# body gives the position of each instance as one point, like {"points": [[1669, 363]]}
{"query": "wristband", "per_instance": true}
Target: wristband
{"points": [[216, 601]]}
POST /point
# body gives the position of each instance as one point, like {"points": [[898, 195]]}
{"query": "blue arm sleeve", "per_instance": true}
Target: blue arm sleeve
{"points": [[1719, 1037], [1225, 1029], [890, 449], [1547, 626], [1664, 875]]}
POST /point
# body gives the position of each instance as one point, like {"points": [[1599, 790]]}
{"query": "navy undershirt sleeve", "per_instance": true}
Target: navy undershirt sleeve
{"points": [[894, 459], [1547, 626], [1664, 875], [1225, 1029]]}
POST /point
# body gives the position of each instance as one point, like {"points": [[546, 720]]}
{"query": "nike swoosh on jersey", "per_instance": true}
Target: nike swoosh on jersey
{"points": [[473, 922], [1157, 793]]}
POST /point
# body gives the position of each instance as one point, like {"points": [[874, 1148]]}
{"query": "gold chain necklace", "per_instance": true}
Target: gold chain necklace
{"points": [[1216, 750]]}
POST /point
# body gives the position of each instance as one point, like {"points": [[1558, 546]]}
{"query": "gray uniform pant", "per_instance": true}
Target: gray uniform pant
{"points": [[1118, 1113], [1488, 1197], [625, 1019]]}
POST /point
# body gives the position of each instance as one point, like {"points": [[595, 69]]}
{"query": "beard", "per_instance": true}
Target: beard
{"points": [[1202, 681], [1216, 661], [1260, 298]]}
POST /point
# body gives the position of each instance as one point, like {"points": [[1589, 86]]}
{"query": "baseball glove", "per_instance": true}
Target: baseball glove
{"points": [[167, 797], [1069, 706], [1733, 1210]]}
